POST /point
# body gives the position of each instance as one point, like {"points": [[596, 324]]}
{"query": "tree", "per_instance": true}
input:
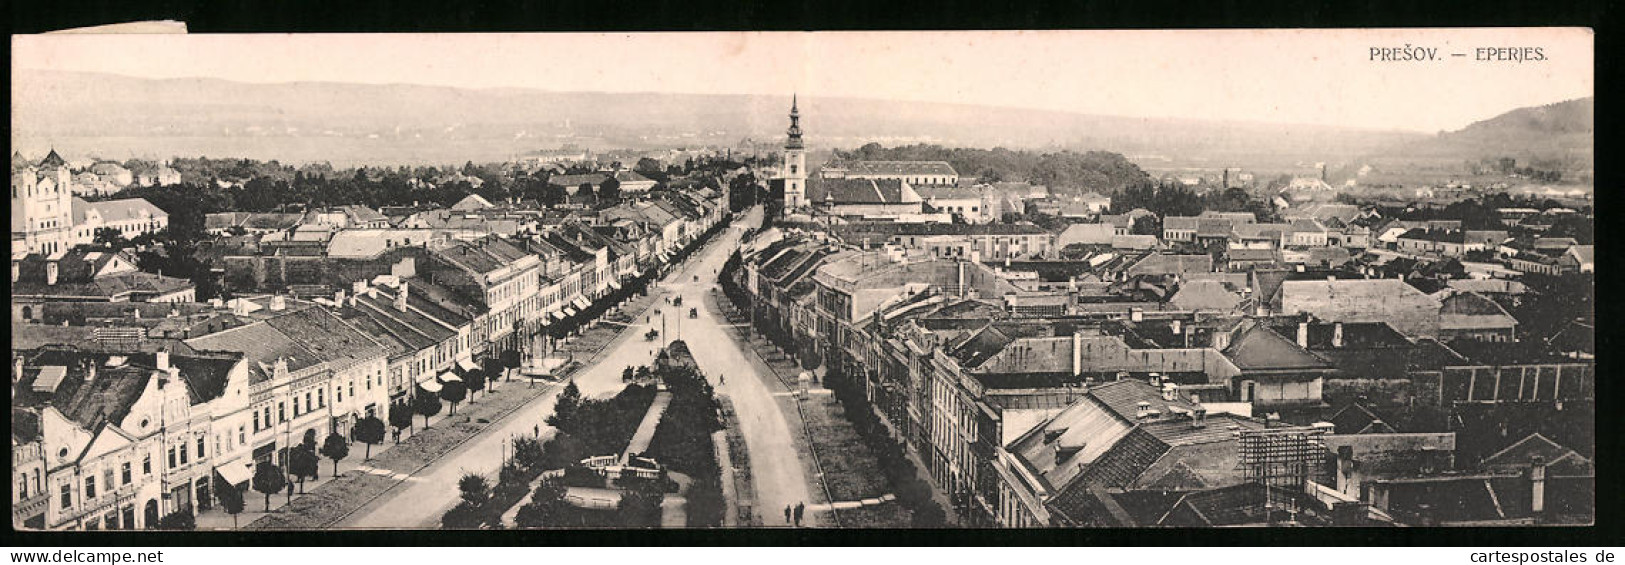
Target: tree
{"points": [[584, 191], [493, 367], [1146, 225], [510, 361], [546, 508], [268, 480], [400, 418], [564, 409], [648, 165], [639, 508], [309, 444], [562, 451], [335, 448], [111, 237], [178, 521], [231, 499], [627, 374], [464, 516], [529, 452], [454, 392], [553, 195], [303, 463], [476, 383], [609, 191], [370, 431], [474, 489], [426, 405]]}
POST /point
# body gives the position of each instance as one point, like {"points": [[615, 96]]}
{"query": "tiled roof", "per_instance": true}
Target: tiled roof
{"points": [[1180, 223], [206, 374], [1205, 295], [324, 334], [1258, 348], [573, 181], [124, 209], [920, 168], [947, 193], [262, 345], [106, 398], [108, 286], [1169, 264], [856, 191], [1518, 457], [269, 221]]}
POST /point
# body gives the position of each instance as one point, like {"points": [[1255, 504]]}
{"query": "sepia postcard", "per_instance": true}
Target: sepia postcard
{"points": [[817, 280]]}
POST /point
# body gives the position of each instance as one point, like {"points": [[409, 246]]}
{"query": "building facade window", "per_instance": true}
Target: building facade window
{"points": [[66, 498], [124, 473], [90, 487], [146, 464]]}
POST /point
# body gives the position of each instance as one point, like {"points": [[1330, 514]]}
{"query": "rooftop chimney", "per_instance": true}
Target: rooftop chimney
{"points": [[1077, 353], [163, 360], [1170, 391], [1337, 334], [1136, 314], [1303, 335], [1177, 327], [1142, 410], [278, 303], [1537, 482], [400, 297]]}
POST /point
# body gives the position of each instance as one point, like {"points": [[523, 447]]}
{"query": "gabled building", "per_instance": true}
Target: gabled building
{"points": [[117, 441], [82, 275], [1125, 435], [1411, 311]]}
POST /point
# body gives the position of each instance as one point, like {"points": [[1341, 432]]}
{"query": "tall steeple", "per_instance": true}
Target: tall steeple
{"points": [[794, 142], [794, 170]]}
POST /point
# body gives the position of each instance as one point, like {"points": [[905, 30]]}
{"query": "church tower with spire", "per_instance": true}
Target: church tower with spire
{"points": [[794, 171]]}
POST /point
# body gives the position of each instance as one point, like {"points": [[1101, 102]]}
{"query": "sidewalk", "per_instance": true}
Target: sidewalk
{"points": [[337, 498], [350, 467], [849, 470], [646, 428]]}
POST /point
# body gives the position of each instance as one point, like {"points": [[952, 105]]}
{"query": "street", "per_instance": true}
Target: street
{"points": [[421, 500], [776, 469]]}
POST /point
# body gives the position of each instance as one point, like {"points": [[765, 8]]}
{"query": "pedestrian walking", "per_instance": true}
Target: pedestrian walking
{"points": [[800, 509], [787, 515], [538, 430]]}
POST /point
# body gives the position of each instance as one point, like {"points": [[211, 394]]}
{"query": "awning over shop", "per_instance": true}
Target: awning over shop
{"points": [[429, 386], [560, 314], [234, 475], [569, 312], [615, 284], [582, 303], [467, 365], [450, 377]]}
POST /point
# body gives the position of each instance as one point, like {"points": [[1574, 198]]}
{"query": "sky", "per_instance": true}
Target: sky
{"points": [[1323, 77]]}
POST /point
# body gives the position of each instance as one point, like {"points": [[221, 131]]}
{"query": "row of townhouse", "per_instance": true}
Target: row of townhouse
{"points": [[119, 434], [130, 433], [107, 439], [960, 372]]}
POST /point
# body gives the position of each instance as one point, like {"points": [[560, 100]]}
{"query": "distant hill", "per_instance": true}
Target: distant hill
{"points": [[1557, 136], [118, 117]]}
